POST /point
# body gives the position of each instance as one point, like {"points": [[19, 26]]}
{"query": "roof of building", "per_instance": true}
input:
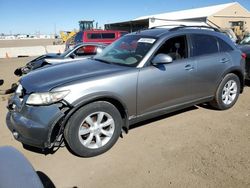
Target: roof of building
{"points": [[190, 13]]}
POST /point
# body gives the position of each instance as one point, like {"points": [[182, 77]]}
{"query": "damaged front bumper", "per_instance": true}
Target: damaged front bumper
{"points": [[33, 125]]}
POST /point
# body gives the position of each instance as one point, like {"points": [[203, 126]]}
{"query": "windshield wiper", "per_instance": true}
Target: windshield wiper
{"points": [[101, 60]]}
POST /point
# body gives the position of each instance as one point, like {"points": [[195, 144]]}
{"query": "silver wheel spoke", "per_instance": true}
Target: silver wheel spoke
{"points": [[98, 140], [224, 96], [230, 98], [83, 131], [226, 99], [99, 130], [89, 121], [107, 123], [100, 117], [233, 92], [107, 133], [229, 92], [89, 139], [232, 85]]}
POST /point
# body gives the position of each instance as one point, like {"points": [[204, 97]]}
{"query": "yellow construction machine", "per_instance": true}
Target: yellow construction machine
{"points": [[68, 35]]}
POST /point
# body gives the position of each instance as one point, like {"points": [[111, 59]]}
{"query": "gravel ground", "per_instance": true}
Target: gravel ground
{"points": [[196, 147]]}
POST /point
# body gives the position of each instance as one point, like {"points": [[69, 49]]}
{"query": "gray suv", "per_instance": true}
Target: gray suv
{"points": [[142, 75]]}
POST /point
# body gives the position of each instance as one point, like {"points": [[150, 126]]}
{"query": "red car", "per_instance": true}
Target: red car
{"points": [[95, 36]]}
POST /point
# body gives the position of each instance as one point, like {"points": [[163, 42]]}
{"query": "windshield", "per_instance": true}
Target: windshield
{"points": [[245, 40], [128, 50]]}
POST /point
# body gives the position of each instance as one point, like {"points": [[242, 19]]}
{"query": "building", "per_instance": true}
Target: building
{"points": [[230, 15]]}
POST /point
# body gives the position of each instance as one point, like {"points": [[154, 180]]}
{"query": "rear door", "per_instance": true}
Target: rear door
{"points": [[211, 62]]}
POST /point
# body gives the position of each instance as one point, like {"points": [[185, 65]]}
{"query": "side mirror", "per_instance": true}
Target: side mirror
{"points": [[162, 59], [72, 56], [1, 82]]}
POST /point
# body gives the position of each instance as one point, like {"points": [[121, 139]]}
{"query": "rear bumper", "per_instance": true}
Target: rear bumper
{"points": [[33, 125]]}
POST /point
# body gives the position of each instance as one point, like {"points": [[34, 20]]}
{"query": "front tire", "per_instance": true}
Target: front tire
{"points": [[227, 93], [93, 129]]}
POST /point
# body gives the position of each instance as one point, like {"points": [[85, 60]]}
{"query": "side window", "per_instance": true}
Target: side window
{"points": [[94, 35], [224, 47], [86, 50], [175, 47], [204, 45], [108, 35], [79, 51]]}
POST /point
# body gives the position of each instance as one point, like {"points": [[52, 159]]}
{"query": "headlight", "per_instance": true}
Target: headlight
{"points": [[46, 98]]}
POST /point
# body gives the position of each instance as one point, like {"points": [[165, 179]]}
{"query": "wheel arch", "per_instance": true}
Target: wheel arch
{"points": [[237, 72], [114, 100]]}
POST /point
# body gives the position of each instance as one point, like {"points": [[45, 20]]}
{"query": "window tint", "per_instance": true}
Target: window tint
{"points": [[224, 47], [78, 37], [175, 47], [108, 35], [204, 45], [94, 35]]}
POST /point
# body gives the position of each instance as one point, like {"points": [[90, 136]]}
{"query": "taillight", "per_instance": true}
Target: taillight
{"points": [[244, 56]]}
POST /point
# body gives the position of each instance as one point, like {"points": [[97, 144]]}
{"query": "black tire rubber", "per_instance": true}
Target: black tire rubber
{"points": [[217, 103], [72, 127]]}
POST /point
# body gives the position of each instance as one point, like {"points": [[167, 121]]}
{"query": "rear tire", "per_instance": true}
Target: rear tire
{"points": [[227, 93], [93, 129]]}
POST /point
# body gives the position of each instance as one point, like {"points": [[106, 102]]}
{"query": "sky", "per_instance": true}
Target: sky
{"points": [[50, 16]]}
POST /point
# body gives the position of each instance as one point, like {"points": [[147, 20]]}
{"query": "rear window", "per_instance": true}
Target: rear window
{"points": [[224, 47], [204, 45], [101, 35]]}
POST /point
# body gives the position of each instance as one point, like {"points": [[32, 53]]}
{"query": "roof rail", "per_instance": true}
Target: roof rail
{"points": [[176, 25], [194, 26]]}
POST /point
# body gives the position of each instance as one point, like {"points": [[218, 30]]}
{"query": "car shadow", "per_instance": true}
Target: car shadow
{"points": [[46, 181], [247, 83], [143, 123], [43, 151]]}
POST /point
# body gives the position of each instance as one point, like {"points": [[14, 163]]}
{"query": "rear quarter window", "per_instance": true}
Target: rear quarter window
{"points": [[204, 45], [224, 46]]}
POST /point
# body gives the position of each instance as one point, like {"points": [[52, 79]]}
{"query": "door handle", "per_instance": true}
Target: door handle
{"points": [[224, 60], [189, 67]]}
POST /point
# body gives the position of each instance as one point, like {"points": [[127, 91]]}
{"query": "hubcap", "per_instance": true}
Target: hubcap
{"points": [[96, 130], [229, 92]]}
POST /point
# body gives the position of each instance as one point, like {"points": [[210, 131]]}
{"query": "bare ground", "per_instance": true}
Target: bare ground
{"points": [[196, 147], [25, 42]]}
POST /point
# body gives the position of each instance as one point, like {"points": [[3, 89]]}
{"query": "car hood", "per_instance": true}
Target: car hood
{"points": [[47, 78], [47, 56]]}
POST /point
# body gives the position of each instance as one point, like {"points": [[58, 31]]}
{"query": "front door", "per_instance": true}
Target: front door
{"points": [[166, 85]]}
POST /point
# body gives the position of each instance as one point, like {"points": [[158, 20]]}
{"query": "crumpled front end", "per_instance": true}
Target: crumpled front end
{"points": [[32, 125]]}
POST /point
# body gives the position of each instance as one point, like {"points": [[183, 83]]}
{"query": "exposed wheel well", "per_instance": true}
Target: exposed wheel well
{"points": [[57, 128]]}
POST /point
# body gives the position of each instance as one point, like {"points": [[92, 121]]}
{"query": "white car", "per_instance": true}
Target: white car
{"points": [[79, 52]]}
